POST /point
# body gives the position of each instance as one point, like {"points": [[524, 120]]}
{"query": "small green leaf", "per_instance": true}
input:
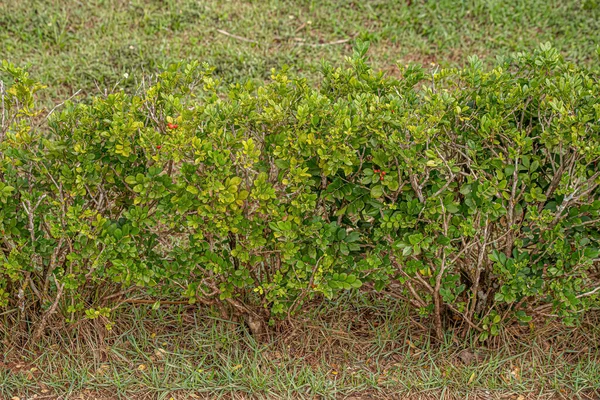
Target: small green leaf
{"points": [[377, 191]]}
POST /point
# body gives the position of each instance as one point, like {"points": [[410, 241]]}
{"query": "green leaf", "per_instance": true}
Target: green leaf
{"points": [[452, 208], [393, 185], [353, 237], [377, 191], [415, 239]]}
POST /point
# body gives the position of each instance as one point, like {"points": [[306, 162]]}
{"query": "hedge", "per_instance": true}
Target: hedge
{"points": [[474, 191]]}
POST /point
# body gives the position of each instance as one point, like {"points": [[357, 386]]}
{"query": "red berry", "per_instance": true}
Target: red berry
{"points": [[383, 173], [172, 126], [376, 171], [159, 147]]}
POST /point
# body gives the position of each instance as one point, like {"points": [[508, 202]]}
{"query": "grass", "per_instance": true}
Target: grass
{"points": [[98, 45], [361, 347]]}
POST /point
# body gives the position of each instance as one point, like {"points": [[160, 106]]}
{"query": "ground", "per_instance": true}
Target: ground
{"points": [[360, 347]]}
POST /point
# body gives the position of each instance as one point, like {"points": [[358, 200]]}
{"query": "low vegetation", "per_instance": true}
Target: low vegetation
{"points": [[476, 191]]}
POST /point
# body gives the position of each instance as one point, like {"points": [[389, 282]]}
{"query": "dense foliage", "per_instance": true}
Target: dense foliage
{"points": [[475, 191]]}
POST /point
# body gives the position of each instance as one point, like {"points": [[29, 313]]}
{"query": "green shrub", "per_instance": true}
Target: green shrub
{"points": [[476, 190]]}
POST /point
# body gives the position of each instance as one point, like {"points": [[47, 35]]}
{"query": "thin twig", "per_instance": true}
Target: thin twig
{"points": [[146, 301], [340, 41], [2, 107], [119, 294], [298, 41], [541, 308], [243, 39], [61, 104], [44, 321], [591, 292]]}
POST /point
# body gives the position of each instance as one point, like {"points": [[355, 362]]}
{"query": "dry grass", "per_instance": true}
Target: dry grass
{"points": [[362, 347]]}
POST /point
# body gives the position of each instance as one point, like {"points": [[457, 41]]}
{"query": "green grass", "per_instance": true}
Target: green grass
{"points": [[96, 45], [360, 346]]}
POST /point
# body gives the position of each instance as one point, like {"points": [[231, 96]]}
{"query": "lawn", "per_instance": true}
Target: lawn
{"points": [[360, 346], [98, 46]]}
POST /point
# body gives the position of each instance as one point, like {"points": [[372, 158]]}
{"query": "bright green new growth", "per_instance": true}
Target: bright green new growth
{"points": [[476, 190]]}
